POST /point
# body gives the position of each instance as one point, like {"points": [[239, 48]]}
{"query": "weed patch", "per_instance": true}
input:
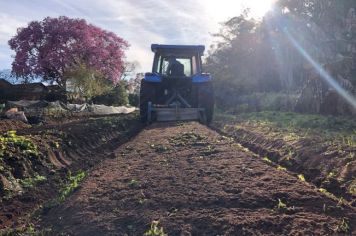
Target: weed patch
{"points": [[12, 141], [32, 181], [71, 184], [343, 226]]}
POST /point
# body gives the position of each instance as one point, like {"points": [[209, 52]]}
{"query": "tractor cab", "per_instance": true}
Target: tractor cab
{"points": [[177, 60], [176, 89]]}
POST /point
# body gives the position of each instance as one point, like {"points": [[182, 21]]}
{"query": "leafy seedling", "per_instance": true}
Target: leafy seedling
{"points": [[134, 183], [155, 230], [301, 178], [281, 168], [266, 159], [281, 206]]}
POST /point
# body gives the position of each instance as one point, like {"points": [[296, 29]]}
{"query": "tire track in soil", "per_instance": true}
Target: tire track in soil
{"points": [[195, 182]]}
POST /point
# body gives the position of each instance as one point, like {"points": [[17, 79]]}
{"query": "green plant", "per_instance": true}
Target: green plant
{"points": [[12, 140], [352, 188], [117, 96], [86, 82], [281, 205], [134, 183], [327, 193], [281, 168], [155, 230], [71, 184], [30, 182], [266, 159], [55, 144], [343, 226], [301, 177]]}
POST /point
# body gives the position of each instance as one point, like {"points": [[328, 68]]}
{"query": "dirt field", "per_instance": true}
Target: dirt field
{"points": [[194, 182], [321, 149], [38, 163]]}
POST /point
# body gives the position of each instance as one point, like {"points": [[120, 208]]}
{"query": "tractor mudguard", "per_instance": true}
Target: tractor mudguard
{"points": [[153, 77], [201, 78]]}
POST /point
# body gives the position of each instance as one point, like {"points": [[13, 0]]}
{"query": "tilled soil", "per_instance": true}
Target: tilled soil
{"points": [[327, 165], [194, 182], [62, 149]]}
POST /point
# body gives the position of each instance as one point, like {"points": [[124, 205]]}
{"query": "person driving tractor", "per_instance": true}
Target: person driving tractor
{"points": [[175, 68]]}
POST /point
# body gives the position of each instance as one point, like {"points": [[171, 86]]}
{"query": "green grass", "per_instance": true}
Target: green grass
{"points": [[297, 121], [295, 125]]}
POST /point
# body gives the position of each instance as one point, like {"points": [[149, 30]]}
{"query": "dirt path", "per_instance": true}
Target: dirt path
{"points": [[195, 182]]}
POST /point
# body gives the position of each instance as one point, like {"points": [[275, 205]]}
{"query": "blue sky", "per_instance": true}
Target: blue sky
{"points": [[139, 22]]}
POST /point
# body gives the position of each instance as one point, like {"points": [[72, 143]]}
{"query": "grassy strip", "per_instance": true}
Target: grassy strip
{"points": [[296, 125]]}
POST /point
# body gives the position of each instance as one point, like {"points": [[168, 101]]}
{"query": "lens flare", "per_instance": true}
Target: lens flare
{"points": [[323, 73]]}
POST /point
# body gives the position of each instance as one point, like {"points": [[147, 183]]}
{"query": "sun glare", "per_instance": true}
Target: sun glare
{"points": [[223, 10], [258, 8]]}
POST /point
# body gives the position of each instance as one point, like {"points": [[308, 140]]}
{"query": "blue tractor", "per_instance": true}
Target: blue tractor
{"points": [[177, 89]]}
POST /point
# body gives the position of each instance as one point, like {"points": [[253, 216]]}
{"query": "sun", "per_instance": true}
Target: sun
{"points": [[258, 8]]}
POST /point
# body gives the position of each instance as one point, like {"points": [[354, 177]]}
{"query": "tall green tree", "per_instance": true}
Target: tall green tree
{"points": [[86, 82]]}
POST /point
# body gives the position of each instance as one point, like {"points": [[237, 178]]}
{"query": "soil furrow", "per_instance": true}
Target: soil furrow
{"points": [[195, 182]]}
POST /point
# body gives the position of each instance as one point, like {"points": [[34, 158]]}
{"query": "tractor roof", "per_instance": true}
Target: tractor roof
{"points": [[177, 48]]}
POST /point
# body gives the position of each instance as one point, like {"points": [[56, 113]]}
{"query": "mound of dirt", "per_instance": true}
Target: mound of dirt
{"points": [[36, 161], [328, 165], [190, 180], [6, 125]]}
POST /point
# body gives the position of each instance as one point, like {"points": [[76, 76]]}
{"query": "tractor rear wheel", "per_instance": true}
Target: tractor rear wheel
{"points": [[147, 94], [206, 100]]}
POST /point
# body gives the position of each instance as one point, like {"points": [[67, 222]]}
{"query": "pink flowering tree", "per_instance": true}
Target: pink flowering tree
{"points": [[50, 48]]}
